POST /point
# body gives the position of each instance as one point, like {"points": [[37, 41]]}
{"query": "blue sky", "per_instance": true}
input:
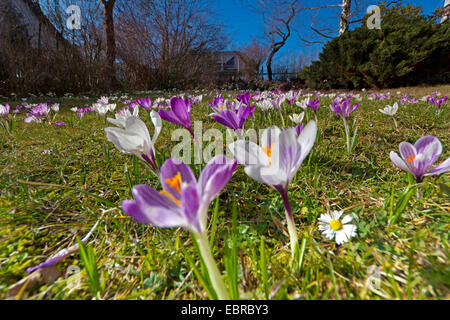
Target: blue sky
{"points": [[243, 24]]}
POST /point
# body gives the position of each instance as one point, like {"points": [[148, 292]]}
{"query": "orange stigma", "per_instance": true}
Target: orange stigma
{"points": [[175, 182], [411, 159], [268, 152], [171, 197]]}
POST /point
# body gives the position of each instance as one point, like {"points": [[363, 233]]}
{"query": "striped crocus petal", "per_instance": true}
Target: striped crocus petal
{"points": [[442, 168], [154, 208], [395, 158], [64, 253], [228, 118], [215, 177], [299, 128], [430, 146]]}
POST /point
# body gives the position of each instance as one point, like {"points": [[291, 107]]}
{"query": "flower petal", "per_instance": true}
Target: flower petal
{"points": [[307, 138], [407, 150], [169, 170], [215, 177], [399, 162], [152, 207], [443, 167], [248, 153]]}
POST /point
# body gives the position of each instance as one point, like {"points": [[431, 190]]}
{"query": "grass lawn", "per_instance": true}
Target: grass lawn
{"points": [[57, 182]]}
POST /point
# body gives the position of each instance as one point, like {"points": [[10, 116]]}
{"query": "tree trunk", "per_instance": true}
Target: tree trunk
{"points": [[108, 12], [345, 16], [269, 65], [446, 14]]}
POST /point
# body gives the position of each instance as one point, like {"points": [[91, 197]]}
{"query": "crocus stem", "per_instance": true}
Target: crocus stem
{"points": [[292, 235], [347, 134], [291, 225], [213, 271], [395, 123], [419, 193], [282, 119]]}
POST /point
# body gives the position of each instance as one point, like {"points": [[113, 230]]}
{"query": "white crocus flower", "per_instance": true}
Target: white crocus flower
{"points": [[133, 137], [303, 104], [121, 118], [390, 110], [332, 226], [55, 107], [277, 159], [100, 108], [297, 118], [265, 105]]}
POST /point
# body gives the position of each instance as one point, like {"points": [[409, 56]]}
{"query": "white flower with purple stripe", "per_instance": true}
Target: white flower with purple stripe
{"points": [[417, 159]]}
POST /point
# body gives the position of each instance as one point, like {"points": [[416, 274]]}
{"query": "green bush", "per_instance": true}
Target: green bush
{"points": [[410, 49]]}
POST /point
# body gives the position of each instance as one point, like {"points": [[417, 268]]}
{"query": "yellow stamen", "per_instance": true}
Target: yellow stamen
{"points": [[411, 159], [175, 182], [171, 197], [336, 225], [268, 152]]}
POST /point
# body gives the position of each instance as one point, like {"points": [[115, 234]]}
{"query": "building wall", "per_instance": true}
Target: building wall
{"points": [[37, 26]]}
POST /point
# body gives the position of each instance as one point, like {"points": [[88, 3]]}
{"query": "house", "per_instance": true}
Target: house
{"points": [[34, 25], [230, 65]]}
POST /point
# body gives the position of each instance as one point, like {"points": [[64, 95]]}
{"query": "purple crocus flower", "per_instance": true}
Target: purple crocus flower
{"points": [[4, 110], [417, 159], [39, 111], [244, 98], [277, 102], [291, 97], [234, 119], [60, 123], [343, 108], [313, 105], [184, 201], [218, 104], [438, 102], [145, 103], [179, 113]]}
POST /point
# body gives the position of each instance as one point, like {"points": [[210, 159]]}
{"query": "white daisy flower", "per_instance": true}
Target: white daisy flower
{"points": [[332, 226]]}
